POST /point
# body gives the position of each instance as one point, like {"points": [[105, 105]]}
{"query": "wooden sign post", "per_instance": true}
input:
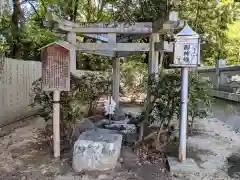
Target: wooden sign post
{"points": [[56, 77]]}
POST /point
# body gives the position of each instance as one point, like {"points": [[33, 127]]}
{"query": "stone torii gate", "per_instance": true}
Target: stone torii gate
{"points": [[109, 46]]}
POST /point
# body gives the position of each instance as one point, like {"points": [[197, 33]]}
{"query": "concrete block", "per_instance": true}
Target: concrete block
{"points": [[96, 150], [188, 166]]}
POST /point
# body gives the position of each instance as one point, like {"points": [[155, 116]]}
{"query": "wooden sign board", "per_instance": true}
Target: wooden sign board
{"points": [[55, 68]]}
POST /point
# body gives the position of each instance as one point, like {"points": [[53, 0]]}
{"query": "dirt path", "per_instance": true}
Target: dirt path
{"points": [[21, 155]]}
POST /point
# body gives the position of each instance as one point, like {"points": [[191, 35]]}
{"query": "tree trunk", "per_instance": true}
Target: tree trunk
{"points": [[16, 17], [89, 10], [159, 133], [75, 10], [191, 126], [140, 138]]}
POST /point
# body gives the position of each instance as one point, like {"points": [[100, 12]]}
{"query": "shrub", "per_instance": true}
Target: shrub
{"points": [[74, 104], [167, 90], [165, 102]]}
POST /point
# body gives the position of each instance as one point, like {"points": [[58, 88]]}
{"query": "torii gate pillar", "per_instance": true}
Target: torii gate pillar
{"points": [[71, 37], [112, 39], [116, 82], [153, 61]]}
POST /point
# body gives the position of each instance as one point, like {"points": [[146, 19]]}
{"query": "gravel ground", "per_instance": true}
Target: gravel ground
{"points": [[215, 142], [24, 157]]}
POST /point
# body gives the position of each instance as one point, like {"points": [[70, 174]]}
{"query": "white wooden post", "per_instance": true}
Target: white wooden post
{"points": [[71, 37], [56, 124]]}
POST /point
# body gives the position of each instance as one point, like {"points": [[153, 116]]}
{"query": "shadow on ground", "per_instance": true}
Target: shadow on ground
{"points": [[234, 165]]}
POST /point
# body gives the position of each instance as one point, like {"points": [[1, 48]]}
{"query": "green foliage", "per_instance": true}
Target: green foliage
{"points": [[78, 102], [233, 43], [199, 99], [31, 37], [210, 19], [93, 62], [165, 90], [133, 75], [166, 93]]}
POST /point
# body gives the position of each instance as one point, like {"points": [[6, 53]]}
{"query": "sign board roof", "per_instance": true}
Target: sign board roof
{"points": [[64, 44], [187, 31]]}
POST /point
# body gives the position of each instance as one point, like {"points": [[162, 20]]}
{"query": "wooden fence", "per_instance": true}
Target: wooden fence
{"points": [[16, 83], [16, 80]]}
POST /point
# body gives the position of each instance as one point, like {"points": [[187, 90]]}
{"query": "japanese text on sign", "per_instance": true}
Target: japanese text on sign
{"points": [[186, 53], [56, 65]]}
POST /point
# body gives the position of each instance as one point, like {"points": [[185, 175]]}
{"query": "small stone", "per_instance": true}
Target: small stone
{"points": [[197, 174], [120, 160], [102, 177], [174, 175], [85, 177], [71, 177], [44, 171]]}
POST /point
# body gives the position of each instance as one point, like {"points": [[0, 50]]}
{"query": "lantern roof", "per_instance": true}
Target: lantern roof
{"points": [[64, 44], [187, 31]]}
